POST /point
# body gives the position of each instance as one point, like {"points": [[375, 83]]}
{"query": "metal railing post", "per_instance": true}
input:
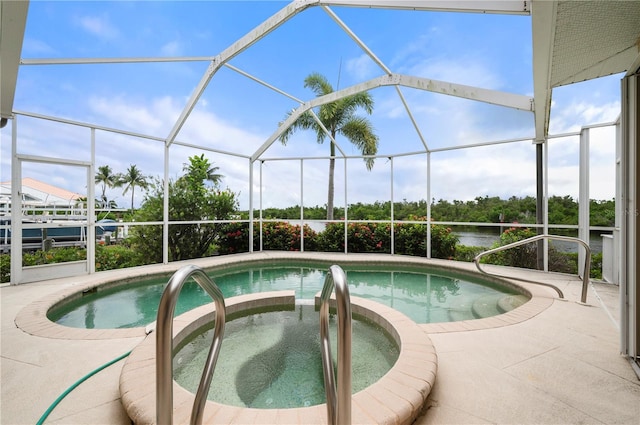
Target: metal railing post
{"points": [[338, 405], [585, 273], [164, 344]]}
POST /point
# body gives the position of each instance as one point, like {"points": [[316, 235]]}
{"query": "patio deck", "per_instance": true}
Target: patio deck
{"points": [[559, 364]]}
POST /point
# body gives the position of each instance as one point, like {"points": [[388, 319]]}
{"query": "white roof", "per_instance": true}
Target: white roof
{"points": [[41, 193]]}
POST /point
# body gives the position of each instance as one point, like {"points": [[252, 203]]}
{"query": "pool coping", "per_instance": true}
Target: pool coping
{"points": [[396, 398], [33, 319]]}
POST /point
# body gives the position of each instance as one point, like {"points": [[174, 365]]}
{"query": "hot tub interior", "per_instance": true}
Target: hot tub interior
{"points": [[271, 359]]}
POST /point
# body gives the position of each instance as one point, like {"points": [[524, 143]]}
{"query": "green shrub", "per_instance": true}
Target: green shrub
{"points": [[409, 239], [233, 238], [280, 236], [467, 253], [361, 237], [524, 256], [283, 236], [569, 264], [52, 256], [109, 257], [5, 268], [443, 242], [331, 239]]}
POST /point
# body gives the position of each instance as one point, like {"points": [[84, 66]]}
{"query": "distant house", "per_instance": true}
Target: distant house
{"points": [[39, 194]]}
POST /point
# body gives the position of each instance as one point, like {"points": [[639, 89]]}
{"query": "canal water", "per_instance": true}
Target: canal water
{"points": [[486, 237]]}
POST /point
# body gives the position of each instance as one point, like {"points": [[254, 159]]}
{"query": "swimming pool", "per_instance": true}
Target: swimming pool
{"points": [[424, 295]]}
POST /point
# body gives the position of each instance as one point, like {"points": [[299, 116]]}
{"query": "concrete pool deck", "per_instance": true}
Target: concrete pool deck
{"points": [[554, 361]]}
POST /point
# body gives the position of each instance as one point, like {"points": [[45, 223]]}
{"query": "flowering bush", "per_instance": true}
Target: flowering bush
{"points": [[233, 238], [409, 239], [443, 242], [109, 257], [361, 237], [280, 236]]}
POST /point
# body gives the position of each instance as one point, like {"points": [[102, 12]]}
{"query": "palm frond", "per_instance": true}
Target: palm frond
{"points": [[304, 122], [318, 83], [360, 132]]}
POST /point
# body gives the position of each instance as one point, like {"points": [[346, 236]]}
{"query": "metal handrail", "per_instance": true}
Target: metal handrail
{"points": [[338, 407], [585, 273], [164, 344]]}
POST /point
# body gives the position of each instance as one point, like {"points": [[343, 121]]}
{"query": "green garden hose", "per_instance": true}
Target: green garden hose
{"points": [[78, 382]]}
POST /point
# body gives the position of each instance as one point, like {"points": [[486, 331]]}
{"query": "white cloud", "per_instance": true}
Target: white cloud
{"points": [[100, 26], [579, 113], [31, 46], [152, 118], [462, 70], [362, 67], [172, 48]]}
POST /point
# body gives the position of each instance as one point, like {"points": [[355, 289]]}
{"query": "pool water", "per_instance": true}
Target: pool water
{"points": [[424, 296], [272, 360]]}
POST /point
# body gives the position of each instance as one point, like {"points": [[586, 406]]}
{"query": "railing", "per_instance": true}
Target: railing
{"points": [[585, 273], [164, 344], [338, 406]]}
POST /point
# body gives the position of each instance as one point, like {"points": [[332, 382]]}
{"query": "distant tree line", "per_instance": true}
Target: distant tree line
{"points": [[562, 210]]}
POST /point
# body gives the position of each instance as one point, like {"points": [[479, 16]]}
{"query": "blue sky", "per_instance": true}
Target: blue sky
{"points": [[235, 114]]}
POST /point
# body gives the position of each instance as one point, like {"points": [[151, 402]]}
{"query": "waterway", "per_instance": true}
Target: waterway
{"points": [[486, 237]]}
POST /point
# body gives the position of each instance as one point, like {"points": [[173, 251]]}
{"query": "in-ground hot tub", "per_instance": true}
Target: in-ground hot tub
{"points": [[272, 359], [397, 397]]}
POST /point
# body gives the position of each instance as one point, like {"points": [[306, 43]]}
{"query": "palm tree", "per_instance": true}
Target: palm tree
{"points": [[107, 178], [132, 178], [338, 117], [199, 168]]}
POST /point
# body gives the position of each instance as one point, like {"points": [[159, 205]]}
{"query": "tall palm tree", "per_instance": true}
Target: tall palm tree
{"points": [[339, 118], [108, 179], [130, 179]]}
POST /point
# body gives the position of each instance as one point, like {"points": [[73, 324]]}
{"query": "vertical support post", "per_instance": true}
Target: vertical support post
{"points": [[545, 204], [251, 164], [346, 215], [91, 207], [393, 244], [16, 206], [630, 231], [619, 214], [260, 223], [583, 195], [165, 208], [301, 205], [428, 205], [539, 202]]}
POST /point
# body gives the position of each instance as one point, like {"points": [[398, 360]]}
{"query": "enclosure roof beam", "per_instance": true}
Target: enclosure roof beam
{"points": [[511, 7], [543, 28], [235, 49], [413, 121], [509, 100], [359, 42], [13, 19]]}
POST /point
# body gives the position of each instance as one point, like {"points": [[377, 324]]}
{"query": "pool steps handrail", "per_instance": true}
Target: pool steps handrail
{"points": [[164, 344], [338, 405], [585, 273]]}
